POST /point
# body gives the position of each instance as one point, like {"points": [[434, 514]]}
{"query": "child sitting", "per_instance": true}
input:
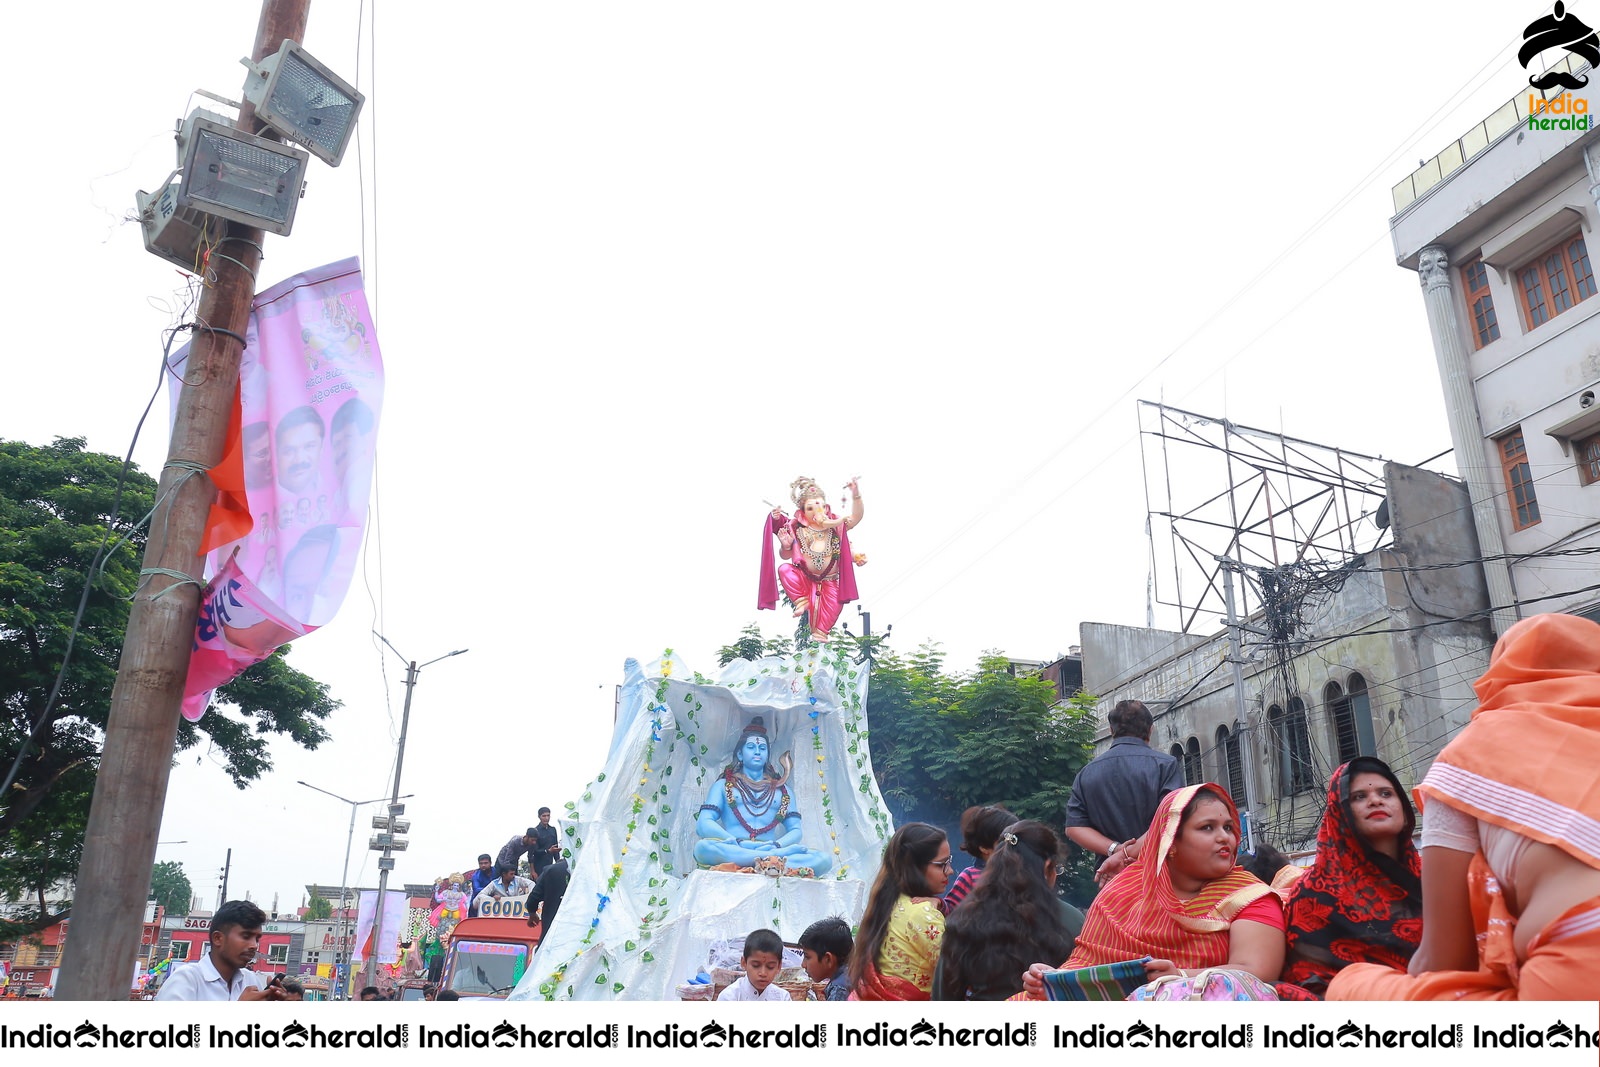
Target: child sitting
{"points": [[762, 960], [827, 944]]}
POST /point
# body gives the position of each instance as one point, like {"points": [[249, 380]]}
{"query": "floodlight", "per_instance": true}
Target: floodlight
{"points": [[235, 175], [304, 101], [176, 234]]}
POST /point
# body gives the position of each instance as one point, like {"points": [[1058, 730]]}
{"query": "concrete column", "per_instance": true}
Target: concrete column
{"points": [[1485, 484], [1591, 163]]}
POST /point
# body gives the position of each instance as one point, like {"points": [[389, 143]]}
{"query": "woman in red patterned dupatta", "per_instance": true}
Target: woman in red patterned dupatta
{"points": [[1361, 901], [1183, 901]]}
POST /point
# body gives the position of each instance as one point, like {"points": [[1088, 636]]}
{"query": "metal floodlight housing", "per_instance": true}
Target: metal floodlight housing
{"points": [[235, 175], [304, 101], [177, 235]]}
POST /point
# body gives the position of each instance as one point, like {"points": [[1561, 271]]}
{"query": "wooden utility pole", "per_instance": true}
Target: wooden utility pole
{"points": [[130, 791]]}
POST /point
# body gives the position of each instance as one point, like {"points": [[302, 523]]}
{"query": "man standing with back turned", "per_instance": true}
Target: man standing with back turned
{"points": [[1115, 796]]}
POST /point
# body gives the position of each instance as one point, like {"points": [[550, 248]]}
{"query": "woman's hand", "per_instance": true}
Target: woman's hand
{"points": [[1033, 981], [1111, 866], [1160, 969]]}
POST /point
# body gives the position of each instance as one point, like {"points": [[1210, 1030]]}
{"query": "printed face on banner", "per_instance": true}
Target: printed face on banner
{"points": [[310, 391], [314, 382]]}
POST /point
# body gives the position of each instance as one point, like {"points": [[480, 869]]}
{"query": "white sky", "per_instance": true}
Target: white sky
{"points": [[635, 266]]}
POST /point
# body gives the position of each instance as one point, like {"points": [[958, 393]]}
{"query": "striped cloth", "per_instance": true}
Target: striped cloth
{"points": [[1107, 981]]}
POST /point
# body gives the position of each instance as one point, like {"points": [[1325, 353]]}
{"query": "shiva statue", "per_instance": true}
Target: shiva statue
{"points": [[748, 821]]}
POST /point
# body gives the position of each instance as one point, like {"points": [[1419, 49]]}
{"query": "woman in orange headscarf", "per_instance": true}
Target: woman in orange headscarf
{"points": [[1511, 834], [1183, 901]]}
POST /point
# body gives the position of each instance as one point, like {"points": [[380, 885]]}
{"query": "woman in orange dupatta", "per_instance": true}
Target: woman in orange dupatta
{"points": [[1182, 900], [1511, 834]]}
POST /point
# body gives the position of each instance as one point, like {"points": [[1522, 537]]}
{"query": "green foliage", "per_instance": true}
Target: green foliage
{"points": [[942, 743], [55, 506], [319, 908], [750, 645], [169, 887]]}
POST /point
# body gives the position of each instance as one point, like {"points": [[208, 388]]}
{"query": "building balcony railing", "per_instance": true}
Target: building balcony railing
{"points": [[1509, 116]]}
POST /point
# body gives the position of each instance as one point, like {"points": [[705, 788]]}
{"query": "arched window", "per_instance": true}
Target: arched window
{"points": [[1229, 764], [1176, 752], [1297, 748], [1361, 715], [1343, 721], [1280, 746], [1193, 772]]}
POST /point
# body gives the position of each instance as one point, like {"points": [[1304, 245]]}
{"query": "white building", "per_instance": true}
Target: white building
{"points": [[1499, 227]]}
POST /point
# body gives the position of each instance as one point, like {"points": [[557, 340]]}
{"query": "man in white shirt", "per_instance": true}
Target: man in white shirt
{"points": [[223, 973]]}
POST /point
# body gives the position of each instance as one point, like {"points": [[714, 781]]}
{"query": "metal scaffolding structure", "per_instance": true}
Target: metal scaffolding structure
{"points": [[1217, 491]]}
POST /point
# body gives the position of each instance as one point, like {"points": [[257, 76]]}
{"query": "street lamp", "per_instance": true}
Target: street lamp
{"points": [[344, 876], [386, 862]]}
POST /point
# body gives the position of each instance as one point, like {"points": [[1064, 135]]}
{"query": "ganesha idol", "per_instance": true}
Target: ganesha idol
{"points": [[747, 821], [819, 575]]}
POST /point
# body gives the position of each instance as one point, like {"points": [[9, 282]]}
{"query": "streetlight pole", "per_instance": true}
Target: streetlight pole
{"points": [[386, 864], [342, 955], [142, 722]]}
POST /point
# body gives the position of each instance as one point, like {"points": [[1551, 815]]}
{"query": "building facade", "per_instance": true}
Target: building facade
{"points": [[1380, 661], [1498, 228], [35, 959]]}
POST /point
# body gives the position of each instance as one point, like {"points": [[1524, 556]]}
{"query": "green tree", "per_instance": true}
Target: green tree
{"points": [[319, 908], [56, 506], [169, 887], [752, 646], [942, 743]]}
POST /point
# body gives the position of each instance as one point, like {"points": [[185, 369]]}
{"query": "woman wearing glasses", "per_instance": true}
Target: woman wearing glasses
{"points": [[898, 947], [1011, 918]]}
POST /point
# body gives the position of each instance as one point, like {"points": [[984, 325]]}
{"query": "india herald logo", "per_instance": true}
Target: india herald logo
{"points": [[1559, 30]]}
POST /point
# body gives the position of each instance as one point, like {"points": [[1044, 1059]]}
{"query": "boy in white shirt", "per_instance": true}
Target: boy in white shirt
{"points": [[762, 960]]}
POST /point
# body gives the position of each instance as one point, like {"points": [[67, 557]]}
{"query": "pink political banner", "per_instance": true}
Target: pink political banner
{"points": [[310, 394], [394, 916]]}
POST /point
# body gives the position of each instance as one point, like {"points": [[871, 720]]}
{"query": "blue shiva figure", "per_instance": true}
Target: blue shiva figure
{"points": [[748, 817]]}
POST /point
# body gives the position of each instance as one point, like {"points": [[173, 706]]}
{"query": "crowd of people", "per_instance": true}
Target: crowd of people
{"points": [[457, 896], [1498, 898], [1501, 901]]}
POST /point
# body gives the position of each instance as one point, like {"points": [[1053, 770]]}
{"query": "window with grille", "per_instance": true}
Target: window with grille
{"points": [[1342, 715], [1361, 715], [1587, 451], [1193, 771], [1292, 741], [1480, 304], [1554, 281], [1520, 493], [1232, 764]]}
